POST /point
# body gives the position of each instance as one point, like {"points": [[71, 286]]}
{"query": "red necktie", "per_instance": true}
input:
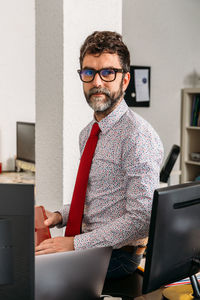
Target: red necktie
{"points": [[78, 199]]}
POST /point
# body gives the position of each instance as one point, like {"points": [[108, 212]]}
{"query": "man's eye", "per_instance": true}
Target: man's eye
{"points": [[107, 72], [88, 72]]}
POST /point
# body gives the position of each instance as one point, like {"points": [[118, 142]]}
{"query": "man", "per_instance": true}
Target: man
{"points": [[125, 166]]}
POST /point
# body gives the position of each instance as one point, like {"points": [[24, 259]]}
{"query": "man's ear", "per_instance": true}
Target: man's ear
{"points": [[126, 80]]}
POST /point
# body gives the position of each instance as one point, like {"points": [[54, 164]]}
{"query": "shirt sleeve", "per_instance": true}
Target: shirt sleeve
{"points": [[141, 161], [64, 211]]}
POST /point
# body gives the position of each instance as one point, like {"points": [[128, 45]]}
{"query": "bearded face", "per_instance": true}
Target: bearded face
{"points": [[101, 99]]}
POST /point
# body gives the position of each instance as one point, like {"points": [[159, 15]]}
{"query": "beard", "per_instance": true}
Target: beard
{"points": [[101, 105]]}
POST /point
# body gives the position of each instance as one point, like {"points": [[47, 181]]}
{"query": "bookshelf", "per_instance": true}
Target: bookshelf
{"points": [[190, 136]]}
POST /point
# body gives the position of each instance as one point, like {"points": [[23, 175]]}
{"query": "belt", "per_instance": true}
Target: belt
{"points": [[139, 250]]}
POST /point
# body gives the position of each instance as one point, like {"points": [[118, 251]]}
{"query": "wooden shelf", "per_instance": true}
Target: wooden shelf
{"points": [[193, 127], [192, 162], [190, 138]]}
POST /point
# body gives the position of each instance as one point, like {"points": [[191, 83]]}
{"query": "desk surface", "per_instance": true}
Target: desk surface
{"points": [[156, 295], [17, 177]]}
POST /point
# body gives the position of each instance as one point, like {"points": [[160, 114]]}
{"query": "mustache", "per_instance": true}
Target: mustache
{"points": [[99, 91]]}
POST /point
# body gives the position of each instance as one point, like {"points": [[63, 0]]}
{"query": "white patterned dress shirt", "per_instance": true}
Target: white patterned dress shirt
{"points": [[124, 174]]}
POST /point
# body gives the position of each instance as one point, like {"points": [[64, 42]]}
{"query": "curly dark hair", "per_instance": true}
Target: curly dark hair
{"points": [[106, 41]]}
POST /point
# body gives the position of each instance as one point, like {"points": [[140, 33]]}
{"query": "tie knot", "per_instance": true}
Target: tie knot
{"points": [[95, 129]]}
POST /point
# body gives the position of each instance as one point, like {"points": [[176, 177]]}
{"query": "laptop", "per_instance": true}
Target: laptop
{"points": [[74, 275]]}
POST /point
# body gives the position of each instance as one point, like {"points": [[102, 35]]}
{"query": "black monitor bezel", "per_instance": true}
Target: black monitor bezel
{"points": [[148, 282]]}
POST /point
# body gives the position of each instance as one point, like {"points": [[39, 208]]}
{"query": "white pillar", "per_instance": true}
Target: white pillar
{"points": [[49, 103]]}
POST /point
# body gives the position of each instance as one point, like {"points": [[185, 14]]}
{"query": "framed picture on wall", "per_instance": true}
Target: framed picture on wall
{"points": [[138, 91]]}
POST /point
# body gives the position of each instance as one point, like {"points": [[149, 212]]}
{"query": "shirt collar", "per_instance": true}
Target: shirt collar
{"points": [[110, 120]]}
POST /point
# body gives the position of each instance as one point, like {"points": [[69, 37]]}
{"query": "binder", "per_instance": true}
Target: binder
{"points": [[195, 116]]}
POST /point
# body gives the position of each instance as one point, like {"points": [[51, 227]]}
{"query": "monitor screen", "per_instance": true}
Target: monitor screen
{"points": [[173, 250], [17, 241], [26, 141]]}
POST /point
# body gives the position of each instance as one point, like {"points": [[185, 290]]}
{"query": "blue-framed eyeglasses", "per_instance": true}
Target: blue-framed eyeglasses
{"points": [[107, 74]]}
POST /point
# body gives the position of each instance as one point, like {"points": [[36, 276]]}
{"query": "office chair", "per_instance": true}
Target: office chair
{"points": [[169, 163]]}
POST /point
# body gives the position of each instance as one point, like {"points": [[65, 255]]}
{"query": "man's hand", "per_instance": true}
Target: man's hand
{"points": [[54, 219], [57, 244]]}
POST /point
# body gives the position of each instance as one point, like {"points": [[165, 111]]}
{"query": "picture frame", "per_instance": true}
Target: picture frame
{"points": [[138, 91]]}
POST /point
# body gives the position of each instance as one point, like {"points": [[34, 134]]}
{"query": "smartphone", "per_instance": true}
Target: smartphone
{"points": [[42, 232]]}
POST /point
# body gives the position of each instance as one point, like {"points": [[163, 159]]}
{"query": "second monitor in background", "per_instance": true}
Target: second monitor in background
{"points": [[25, 137]]}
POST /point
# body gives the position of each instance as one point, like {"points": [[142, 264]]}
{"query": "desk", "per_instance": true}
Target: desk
{"points": [[17, 177], [156, 295]]}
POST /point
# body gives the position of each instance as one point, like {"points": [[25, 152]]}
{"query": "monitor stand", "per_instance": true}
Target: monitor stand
{"points": [[194, 280], [183, 291], [195, 287]]}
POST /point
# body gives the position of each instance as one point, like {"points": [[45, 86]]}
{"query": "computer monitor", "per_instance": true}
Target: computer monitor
{"points": [[26, 141], [16, 242], [173, 250]]}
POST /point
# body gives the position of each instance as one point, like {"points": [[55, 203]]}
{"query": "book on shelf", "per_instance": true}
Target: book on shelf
{"points": [[198, 119], [195, 116]]}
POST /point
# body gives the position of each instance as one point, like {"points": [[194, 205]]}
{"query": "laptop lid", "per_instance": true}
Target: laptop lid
{"points": [[74, 275]]}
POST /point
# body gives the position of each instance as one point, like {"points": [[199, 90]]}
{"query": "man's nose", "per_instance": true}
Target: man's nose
{"points": [[97, 81]]}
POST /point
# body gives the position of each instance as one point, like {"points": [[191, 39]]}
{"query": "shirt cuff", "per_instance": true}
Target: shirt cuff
{"points": [[64, 211], [79, 243]]}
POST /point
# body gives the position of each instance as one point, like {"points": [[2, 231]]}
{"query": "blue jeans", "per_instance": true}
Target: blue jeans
{"points": [[122, 263]]}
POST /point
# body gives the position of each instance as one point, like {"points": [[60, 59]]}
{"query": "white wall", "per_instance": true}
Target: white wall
{"points": [[81, 18], [17, 73], [164, 35]]}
